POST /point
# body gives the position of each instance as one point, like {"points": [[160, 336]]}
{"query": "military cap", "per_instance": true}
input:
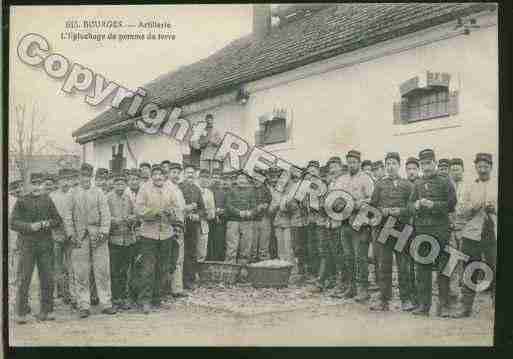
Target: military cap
{"points": [[344, 167], [394, 155], [334, 159], [443, 162], [204, 173], [188, 165], [354, 154], [156, 167], [366, 163], [49, 177], [134, 172], [102, 173], [456, 162], [412, 160], [86, 170], [487, 157], [427, 154], [216, 172], [377, 164], [37, 177], [175, 166], [165, 162], [145, 164]]}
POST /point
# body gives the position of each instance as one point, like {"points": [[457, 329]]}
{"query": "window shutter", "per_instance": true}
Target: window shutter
{"points": [[453, 103]]}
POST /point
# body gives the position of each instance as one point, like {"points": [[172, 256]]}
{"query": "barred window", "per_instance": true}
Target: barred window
{"points": [[275, 131], [428, 104]]}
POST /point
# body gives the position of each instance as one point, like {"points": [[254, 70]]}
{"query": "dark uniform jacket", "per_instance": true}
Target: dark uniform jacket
{"points": [[240, 199], [263, 196], [393, 192], [30, 209], [192, 193], [438, 189]]}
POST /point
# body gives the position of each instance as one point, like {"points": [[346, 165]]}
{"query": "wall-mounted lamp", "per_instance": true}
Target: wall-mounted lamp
{"points": [[242, 97]]}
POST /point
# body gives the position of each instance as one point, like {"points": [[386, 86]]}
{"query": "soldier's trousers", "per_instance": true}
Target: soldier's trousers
{"points": [[355, 245], [298, 237], [62, 256], [260, 245], [384, 254], [84, 258], [121, 258], [177, 276], [216, 241], [239, 238], [32, 252], [192, 232], [330, 249], [156, 259], [284, 243], [476, 249], [424, 274], [455, 281], [312, 246]]}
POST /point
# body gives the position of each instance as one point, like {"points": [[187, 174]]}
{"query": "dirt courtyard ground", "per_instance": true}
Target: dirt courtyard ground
{"points": [[309, 320]]}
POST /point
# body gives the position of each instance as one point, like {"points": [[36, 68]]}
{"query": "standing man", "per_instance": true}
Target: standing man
{"points": [[121, 241], [443, 166], [33, 217], [162, 219], [312, 238], [281, 216], [87, 224], [165, 165], [175, 170], [216, 239], [412, 174], [260, 247], [145, 169], [432, 200], [61, 199], [457, 223], [367, 168], [479, 235], [378, 170], [241, 207], [208, 217], [194, 209], [356, 243], [390, 196], [15, 192]]}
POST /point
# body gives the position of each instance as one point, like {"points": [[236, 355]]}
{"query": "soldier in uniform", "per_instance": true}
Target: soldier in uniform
{"points": [[194, 209], [121, 241], [312, 239], [87, 224], [432, 200], [33, 217], [412, 168], [145, 169], [260, 247], [443, 165], [378, 170], [367, 168], [216, 240], [356, 243], [479, 235], [390, 196]]}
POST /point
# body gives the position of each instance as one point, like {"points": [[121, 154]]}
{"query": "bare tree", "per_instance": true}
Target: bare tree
{"points": [[27, 136]]}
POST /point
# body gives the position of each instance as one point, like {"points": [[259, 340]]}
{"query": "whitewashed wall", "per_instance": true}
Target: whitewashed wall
{"points": [[352, 107]]}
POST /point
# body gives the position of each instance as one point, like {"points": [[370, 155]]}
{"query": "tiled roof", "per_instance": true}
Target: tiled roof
{"points": [[327, 33]]}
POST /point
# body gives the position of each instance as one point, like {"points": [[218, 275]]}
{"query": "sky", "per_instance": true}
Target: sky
{"points": [[200, 31]]}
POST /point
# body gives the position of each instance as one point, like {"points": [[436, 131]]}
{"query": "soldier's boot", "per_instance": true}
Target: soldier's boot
{"points": [[462, 313], [407, 306], [381, 306], [350, 291], [467, 302], [422, 310], [363, 294]]}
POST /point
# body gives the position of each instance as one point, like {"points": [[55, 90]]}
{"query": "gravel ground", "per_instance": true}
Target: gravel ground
{"points": [[244, 316]]}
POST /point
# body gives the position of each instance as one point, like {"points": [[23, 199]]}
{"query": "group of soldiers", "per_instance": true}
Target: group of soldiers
{"points": [[135, 238]]}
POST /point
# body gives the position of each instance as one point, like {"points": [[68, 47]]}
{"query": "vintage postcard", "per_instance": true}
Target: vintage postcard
{"points": [[253, 175]]}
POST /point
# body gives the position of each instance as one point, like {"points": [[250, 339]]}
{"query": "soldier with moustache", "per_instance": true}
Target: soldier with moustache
{"points": [[432, 199]]}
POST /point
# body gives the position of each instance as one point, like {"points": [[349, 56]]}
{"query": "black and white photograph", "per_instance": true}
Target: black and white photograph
{"points": [[252, 175]]}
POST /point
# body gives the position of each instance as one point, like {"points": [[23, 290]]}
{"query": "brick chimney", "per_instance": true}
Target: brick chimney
{"points": [[261, 19]]}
